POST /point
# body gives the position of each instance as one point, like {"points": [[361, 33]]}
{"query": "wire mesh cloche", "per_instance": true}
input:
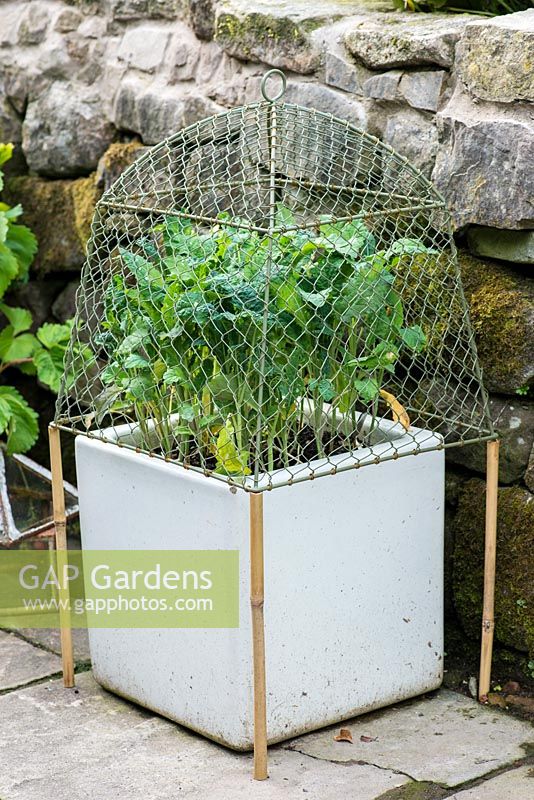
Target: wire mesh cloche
{"points": [[273, 295]]}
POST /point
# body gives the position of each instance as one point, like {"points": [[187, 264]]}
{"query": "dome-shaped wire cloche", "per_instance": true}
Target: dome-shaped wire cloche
{"points": [[272, 295]]}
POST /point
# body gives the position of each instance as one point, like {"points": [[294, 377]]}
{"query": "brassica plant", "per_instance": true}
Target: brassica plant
{"points": [[185, 316]]}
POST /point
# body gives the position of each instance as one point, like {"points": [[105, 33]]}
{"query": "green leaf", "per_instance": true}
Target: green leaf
{"points": [[17, 420], [140, 387], [9, 268], [324, 387], [209, 420], [284, 217], [181, 430], [136, 339], [158, 368], [407, 246], [11, 213], [28, 368], [6, 151], [49, 365], [135, 361], [112, 373], [367, 389], [107, 400], [15, 348], [352, 239], [4, 224], [414, 338], [224, 391], [316, 299], [186, 412], [20, 319], [174, 375], [229, 460], [144, 270], [51, 334], [382, 356], [174, 332], [23, 244], [288, 299]]}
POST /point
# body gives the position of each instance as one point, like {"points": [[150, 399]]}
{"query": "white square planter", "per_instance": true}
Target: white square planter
{"points": [[353, 589]]}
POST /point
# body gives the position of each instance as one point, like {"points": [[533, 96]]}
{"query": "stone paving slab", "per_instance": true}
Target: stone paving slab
{"points": [[49, 638], [447, 739], [22, 663], [516, 784], [61, 744]]}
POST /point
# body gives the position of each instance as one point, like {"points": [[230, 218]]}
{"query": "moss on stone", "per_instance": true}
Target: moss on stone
{"points": [[84, 196], [514, 590], [118, 157], [258, 36], [416, 790], [258, 28], [49, 212], [58, 212], [501, 305], [426, 282]]}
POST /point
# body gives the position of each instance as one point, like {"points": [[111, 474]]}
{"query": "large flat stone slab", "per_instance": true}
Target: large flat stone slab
{"points": [[50, 639], [495, 57], [21, 662], [484, 164], [405, 40], [516, 784], [59, 744], [279, 33], [446, 739], [514, 246]]}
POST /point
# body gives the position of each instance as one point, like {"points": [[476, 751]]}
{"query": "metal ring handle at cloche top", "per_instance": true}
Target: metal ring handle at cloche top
{"points": [[271, 74]]}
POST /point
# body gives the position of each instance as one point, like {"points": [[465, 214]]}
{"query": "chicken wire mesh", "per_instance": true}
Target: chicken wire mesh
{"points": [[272, 295]]}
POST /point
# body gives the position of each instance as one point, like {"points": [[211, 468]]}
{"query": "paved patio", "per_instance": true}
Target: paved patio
{"points": [[59, 744]]}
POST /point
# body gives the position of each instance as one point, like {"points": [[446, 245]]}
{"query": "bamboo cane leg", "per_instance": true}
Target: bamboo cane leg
{"points": [[488, 621], [58, 503], [258, 636]]}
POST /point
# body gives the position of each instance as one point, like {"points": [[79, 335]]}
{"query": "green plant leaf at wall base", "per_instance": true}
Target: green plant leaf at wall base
{"points": [[18, 421]]}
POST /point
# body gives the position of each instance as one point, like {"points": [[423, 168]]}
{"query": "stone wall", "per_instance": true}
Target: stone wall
{"points": [[85, 85]]}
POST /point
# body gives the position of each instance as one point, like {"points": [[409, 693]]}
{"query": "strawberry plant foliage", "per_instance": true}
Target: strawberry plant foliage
{"points": [[41, 353], [186, 316]]}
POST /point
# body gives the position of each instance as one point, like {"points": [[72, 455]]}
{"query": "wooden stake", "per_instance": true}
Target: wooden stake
{"points": [[60, 524], [257, 594], [488, 621]]}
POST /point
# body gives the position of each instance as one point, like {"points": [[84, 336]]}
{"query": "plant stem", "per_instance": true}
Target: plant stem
{"points": [[318, 423], [17, 362], [374, 409], [285, 443]]}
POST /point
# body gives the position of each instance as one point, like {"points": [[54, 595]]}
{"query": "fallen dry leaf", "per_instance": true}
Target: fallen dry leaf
{"points": [[398, 412], [524, 703], [344, 735], [495, 699], [368, 738]]}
